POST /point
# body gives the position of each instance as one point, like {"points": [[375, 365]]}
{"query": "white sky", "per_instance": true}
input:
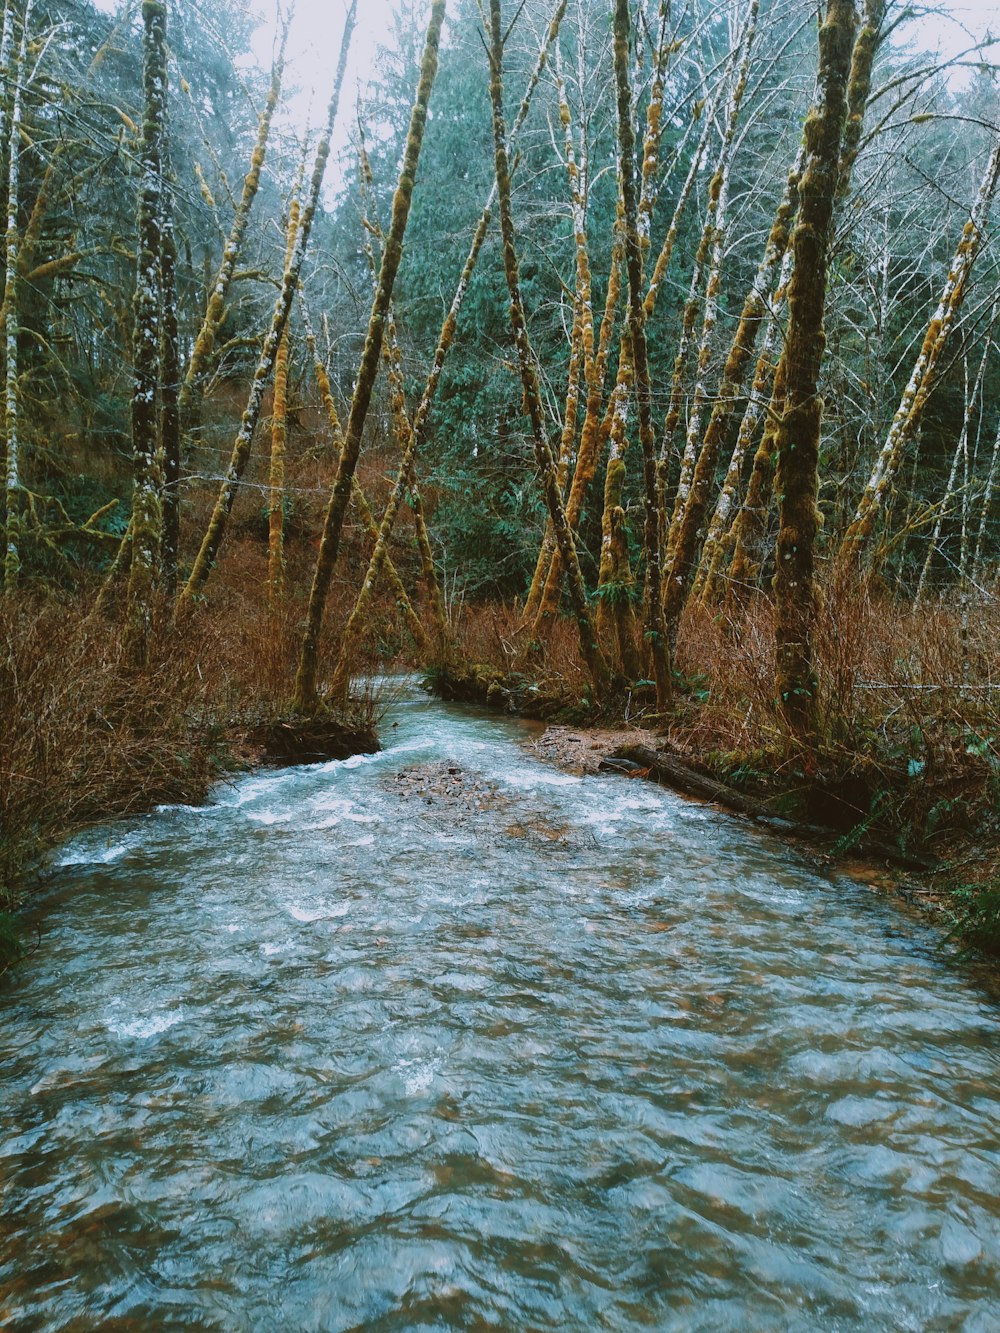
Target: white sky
{"points": [[315, 39], [314, 43]]}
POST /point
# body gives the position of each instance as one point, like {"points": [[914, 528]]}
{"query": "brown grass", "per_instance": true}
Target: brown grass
{"points": [[85, 737], [82, 736], [909, 736]]}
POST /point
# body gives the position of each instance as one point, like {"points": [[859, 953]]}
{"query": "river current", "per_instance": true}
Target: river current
{"points": [[381, 1045]]}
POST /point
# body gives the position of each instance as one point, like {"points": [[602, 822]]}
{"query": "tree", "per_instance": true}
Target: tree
{"points": [[147, 484], [798, 435], [306, 697]]}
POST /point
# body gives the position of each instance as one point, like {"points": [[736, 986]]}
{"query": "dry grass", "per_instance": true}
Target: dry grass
{"points": [[85, 737], [909, 732], [82, 736]]}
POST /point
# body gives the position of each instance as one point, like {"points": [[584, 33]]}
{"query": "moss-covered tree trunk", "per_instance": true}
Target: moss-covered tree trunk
{"points": [[581, 352], [306, 698], [170, 383], [214, 534], [147, 477], [923, 377], [12, 59], [588, 454], [399, 593], [769, 290], [215, 308], [589, 647], [748, 535], [615, 582], [654, 629], [615, 576], [713, 246], [279, 437], [402, 430], [798, 436]]}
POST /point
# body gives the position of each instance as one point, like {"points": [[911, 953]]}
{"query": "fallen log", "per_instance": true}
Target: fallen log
{"points": [[667, 769]]}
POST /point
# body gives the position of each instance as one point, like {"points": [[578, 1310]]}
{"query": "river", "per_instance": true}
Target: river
{"points": [[447, 1038]]}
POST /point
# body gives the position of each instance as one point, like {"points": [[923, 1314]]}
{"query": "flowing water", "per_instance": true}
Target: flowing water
{"points": [[380, 1045]]}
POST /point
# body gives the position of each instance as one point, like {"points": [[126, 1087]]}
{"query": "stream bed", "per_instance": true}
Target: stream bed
{"points": [[445, 1038]]}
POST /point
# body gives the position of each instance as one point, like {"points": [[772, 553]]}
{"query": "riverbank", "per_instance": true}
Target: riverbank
{"points": [[631, 754], [904, 770], [86, 736]]}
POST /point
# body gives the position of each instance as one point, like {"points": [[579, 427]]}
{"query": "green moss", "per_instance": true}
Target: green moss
{"points": [[12, 945]]}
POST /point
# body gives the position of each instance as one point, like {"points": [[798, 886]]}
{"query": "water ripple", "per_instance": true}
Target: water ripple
{"points": [[539, 1052]]}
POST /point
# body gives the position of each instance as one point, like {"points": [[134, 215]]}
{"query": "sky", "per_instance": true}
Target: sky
{"points": [[314, 43], [315, 38]]}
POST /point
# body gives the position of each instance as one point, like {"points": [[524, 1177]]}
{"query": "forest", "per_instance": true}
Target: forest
{"points": [[605, 361]]}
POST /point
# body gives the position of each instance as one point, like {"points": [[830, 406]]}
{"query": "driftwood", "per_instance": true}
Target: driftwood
{"points": [[658, 765]]}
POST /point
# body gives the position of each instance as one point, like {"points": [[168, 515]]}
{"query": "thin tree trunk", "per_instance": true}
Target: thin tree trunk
{"points": [[147, 483], [757, 309], [656, 641], [215, 309], [924, 374], [614, 550], [581, 340], [170, 383], [10, 316], [748, 535], [399, 593], [709, 254], [978, 557], [279, 440], [797, 473], [204, 344], [305, 698], [205, 561], [591, 439], [614, 583], [961, 453], [589, 647], [403, 431]]}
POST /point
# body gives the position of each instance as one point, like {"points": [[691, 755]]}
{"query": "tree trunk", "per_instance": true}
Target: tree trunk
{"points": [[215, 309], [698, 465], [170, 383], [654, 629], [13, 67], [798, 436], [147, 478], [279, 440], [748, 535], [581, 349], [399, 593], [961, 454], [212, 540], [924, 374], [589, 647], [306, 698], [759, 307]]}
